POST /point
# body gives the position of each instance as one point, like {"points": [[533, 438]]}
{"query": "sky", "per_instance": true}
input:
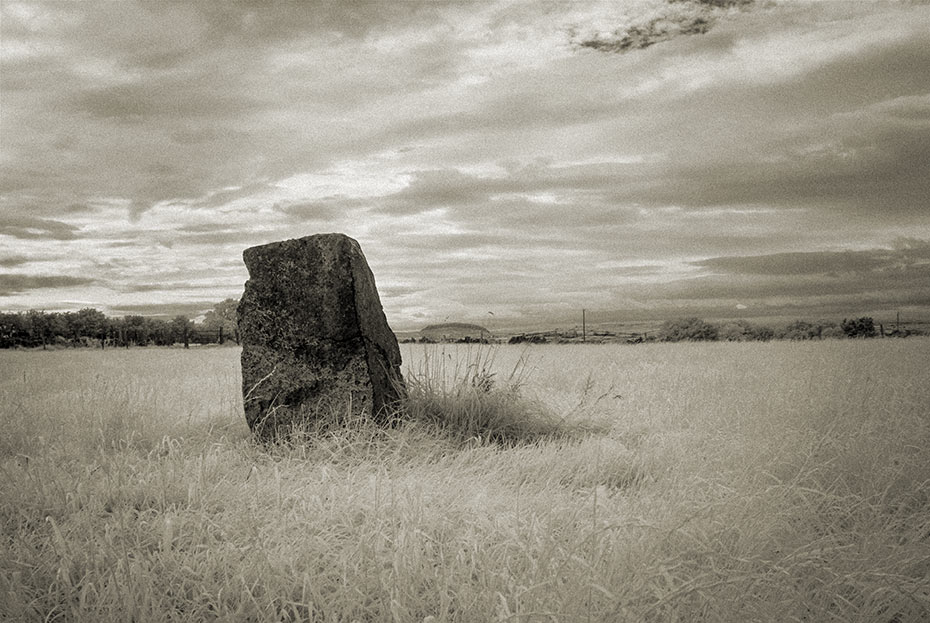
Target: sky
{"points": [[498, 162]]}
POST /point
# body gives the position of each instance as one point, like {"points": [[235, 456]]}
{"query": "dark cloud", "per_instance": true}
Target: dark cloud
{"points": [[721, 4], [12, 283], [164, 310], [642, 36], [163, 286], [892, 284], [145, 287], [912, 249], [26, 227], [220, 237], [809, 263], [431, 189], [175, 100], [203, 228], [388, 292], [78, 208], [323, 209], [10, 261], [684, 17], [881, 278], [896, 276], [122, 244]]}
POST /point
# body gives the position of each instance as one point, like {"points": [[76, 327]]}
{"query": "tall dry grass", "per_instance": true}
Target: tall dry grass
{"points": [[714, 482]]}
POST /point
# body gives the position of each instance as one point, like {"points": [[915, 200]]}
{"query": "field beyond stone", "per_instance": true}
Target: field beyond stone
{"points": [[780, 481]]}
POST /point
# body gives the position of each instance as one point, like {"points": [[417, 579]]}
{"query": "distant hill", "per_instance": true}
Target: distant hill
{"points": [[454, 331]]}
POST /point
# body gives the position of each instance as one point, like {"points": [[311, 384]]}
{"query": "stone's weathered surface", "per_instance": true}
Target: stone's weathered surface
{"points": [[315, 341]]}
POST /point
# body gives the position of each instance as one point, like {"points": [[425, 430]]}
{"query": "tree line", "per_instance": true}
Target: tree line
{"points": [[696, 329], [91, 327]]}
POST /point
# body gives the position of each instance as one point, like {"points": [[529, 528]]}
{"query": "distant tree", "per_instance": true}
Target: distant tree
{"points": [[687, 329], [134, 330], [161, 332], [180, 330], [798, 330], [827, 328], [860, 327], [528, 339], [86, 323], [11, 329], [737, 331], [223, 317], [802, 330], [40, 328], [764, 333], [59, 327]]}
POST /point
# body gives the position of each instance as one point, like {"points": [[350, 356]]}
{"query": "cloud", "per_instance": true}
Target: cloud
{"points": [[13, 283], [25, 227], [265, 23], [896, 276], [677, 18], [165, 310], [186, 101], [709, 147], [9, 261], [160, 100], [883, 277], [908, 254], [911, 281], [216, 237], [152, 102], [479, 157]]}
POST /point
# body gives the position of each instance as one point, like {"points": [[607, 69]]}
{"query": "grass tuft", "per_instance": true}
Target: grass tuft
{"points": [[462, 397]]}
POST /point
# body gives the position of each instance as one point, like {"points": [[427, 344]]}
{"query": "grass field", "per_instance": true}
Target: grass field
{"points": [[779, 481]]}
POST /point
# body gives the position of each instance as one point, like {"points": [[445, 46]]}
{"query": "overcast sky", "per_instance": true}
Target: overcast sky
{"points": [[526, 159]]}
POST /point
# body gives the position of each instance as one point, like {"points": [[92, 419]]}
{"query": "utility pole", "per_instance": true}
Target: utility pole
{"points": [[584, 329]]}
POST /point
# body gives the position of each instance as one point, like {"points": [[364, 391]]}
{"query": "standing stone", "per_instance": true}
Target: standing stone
{"points": [[315, 342]]}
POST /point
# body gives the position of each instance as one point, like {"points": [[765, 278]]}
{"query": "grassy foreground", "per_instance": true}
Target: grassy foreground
{"points": [[692, 482]]}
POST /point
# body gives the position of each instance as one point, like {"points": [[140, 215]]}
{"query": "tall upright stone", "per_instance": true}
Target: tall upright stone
{"points": [[315, 341]]}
